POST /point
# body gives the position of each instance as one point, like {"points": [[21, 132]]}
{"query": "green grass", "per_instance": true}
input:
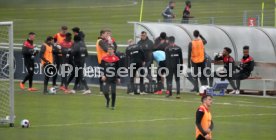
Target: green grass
{"points": [[149, 117], [46, 17]]}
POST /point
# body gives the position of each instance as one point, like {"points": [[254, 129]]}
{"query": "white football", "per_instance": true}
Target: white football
{"points": [[25, 123], [52, 90]]}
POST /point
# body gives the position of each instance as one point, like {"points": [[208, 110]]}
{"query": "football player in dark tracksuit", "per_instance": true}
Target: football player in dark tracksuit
{"points": [[135, 57], [246, 67], [79, 53], [161, 42], [58, 39], [147, 47], [77, 31], [160, 57], [29, 52], [109, 76], [66, 47], [57, 61], [173, 61]]}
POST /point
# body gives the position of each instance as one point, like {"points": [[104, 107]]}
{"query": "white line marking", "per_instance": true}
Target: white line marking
{"points": [[245, 102], [186, 101], [76, 7], [150, 120]]}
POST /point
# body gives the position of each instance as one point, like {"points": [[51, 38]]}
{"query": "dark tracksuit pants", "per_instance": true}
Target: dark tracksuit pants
{"points": [[47, 76], [148, 65], [173, 72], [160, 85], [146, 71], [132, 78], [101, 82], [240, 76], [72, 76], [66, 64], [58, 62], [185, 20], [80, 79], [200, 137], [203, 79], [29, 64], [65, 75], [110, 85], [191, 79]]}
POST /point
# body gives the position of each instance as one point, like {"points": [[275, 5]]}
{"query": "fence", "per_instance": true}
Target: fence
{"points": [[249, 18]]}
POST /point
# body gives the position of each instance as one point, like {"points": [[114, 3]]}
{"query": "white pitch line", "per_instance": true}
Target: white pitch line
{"points": [[186, 101], [150, 120], [76, 7], [245, 102]]}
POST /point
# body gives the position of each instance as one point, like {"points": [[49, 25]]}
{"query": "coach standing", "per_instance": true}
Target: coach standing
{"points": [[196, 59], [28, 52], [147, 46], [173, 59]]}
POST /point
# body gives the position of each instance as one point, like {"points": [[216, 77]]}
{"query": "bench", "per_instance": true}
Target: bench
{"points": [[258, 64], [264, 81]]}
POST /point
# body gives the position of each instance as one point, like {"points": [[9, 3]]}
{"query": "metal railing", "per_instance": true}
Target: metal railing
{"points": [[249, 18]]}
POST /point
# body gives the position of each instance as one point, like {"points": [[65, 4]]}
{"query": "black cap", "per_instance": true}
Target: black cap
{"points": [[76, 29]]}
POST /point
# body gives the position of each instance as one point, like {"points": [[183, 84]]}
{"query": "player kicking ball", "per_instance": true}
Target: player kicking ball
{"points": [[110, 65]]}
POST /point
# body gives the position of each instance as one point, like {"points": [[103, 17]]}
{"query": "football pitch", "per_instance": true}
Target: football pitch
{"points": [[147, 117]]}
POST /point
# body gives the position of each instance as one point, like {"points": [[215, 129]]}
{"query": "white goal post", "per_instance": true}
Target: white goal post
{"points": [[7, 115]]}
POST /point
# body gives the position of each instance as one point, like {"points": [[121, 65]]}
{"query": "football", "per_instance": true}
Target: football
{"points": [[52, 90], [25, 123]]}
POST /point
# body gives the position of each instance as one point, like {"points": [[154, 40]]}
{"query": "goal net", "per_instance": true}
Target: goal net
{"points": [[6, 74]]}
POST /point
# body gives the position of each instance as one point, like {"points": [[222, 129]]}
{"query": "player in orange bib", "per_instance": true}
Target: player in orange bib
{"points": [[47, 60], [196, 59], [204, 123]]}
